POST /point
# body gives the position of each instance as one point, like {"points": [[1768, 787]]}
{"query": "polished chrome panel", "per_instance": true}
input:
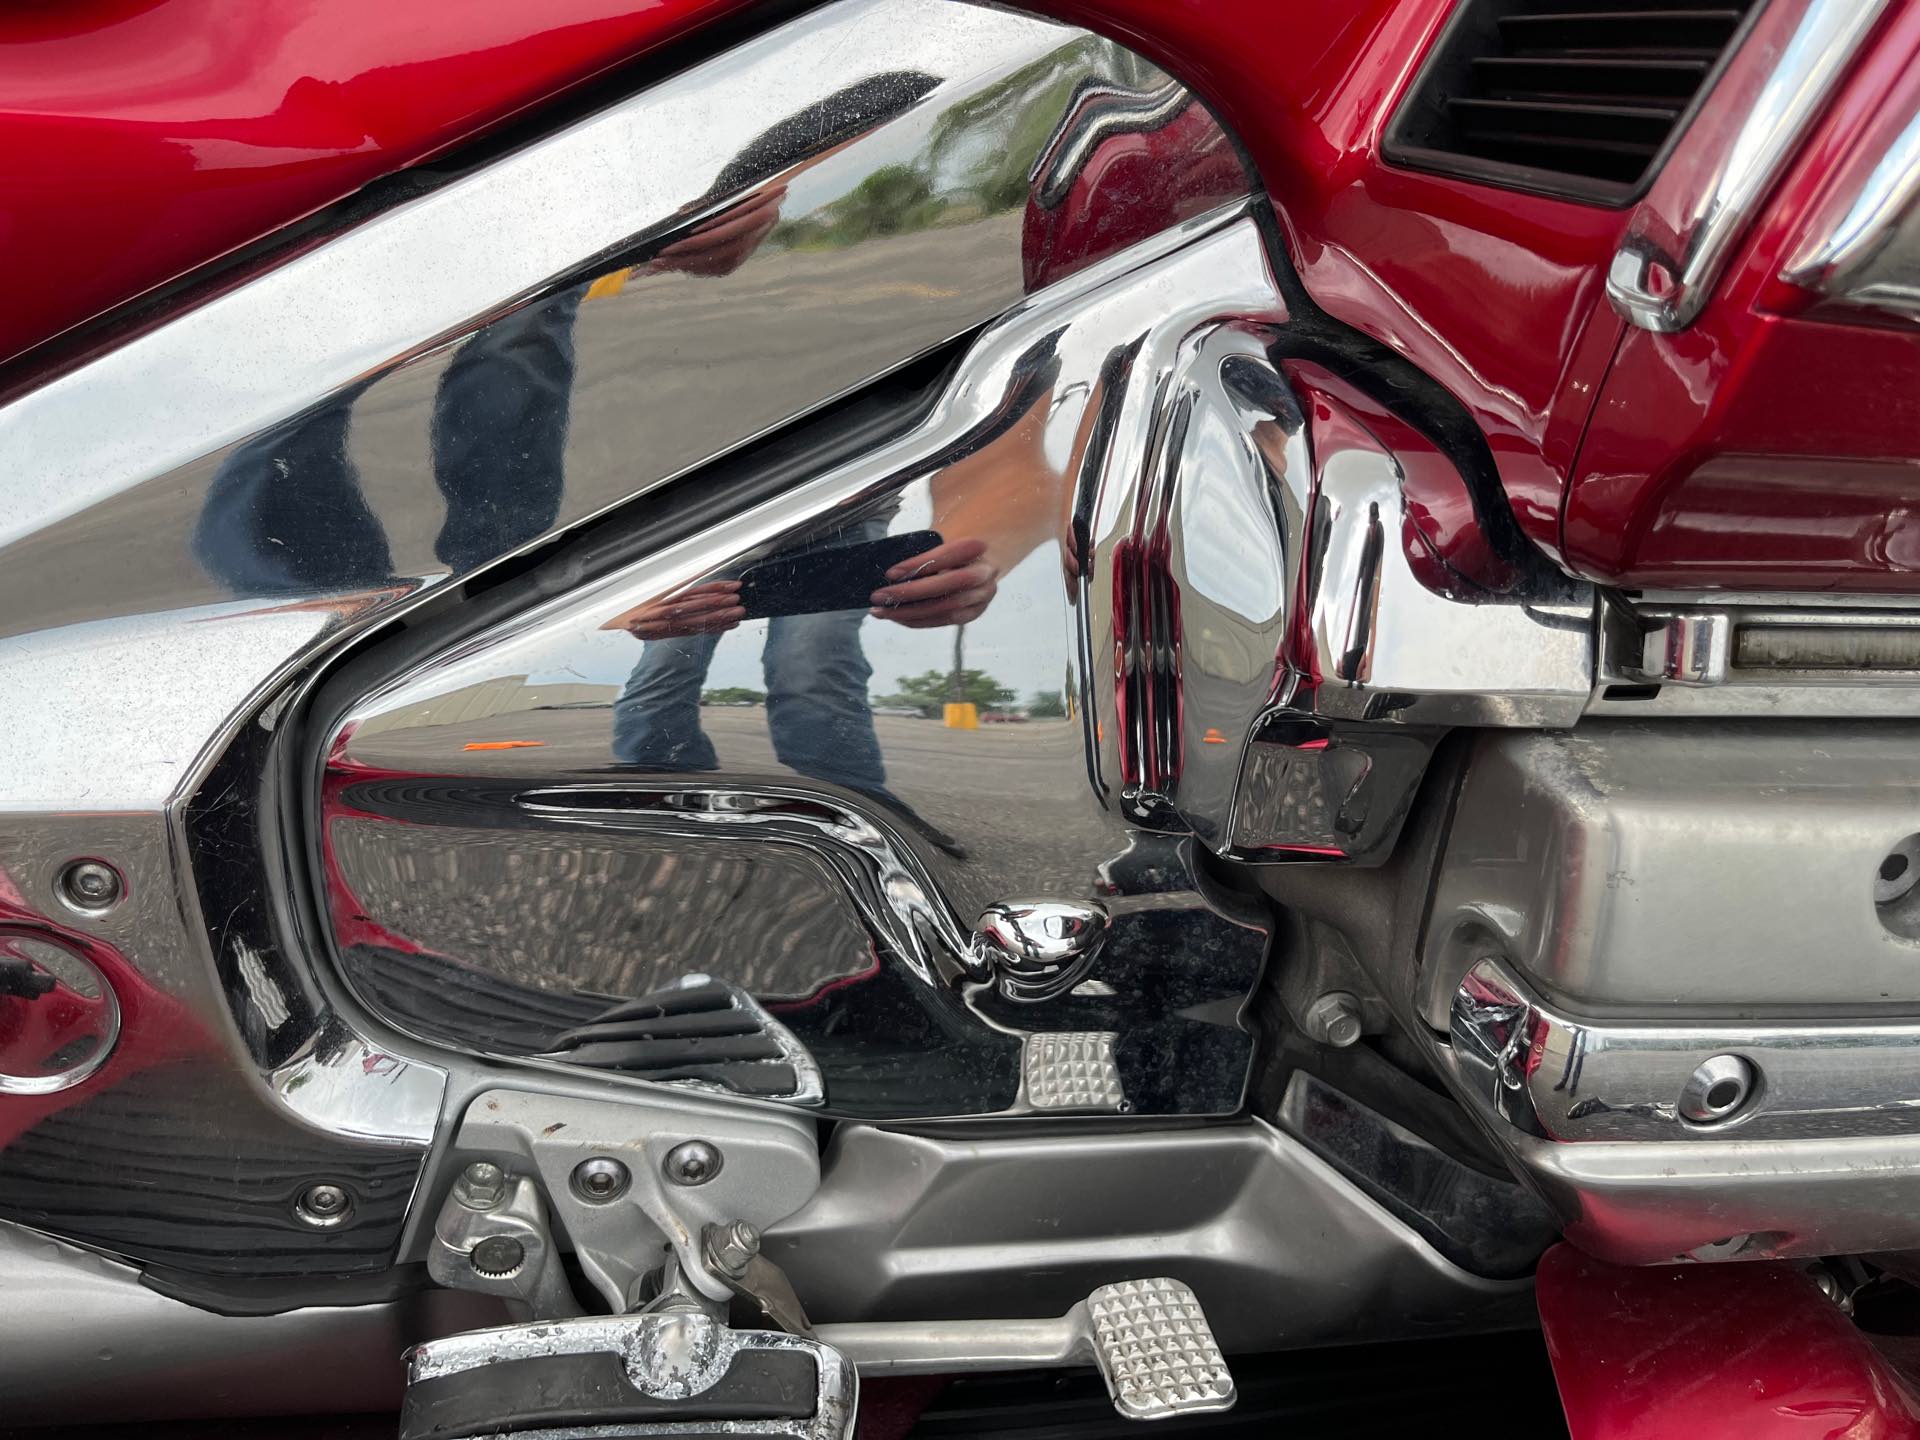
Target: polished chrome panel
{"points": [[498, 865], [1378, 639], [1871, 258], [860, 210], [197, 515], [1681, 236], [1281, 1248], [1574, 1078], [1702, 868]]}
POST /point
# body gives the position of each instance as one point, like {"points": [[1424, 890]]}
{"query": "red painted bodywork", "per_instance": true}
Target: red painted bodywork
{"points": [[1768, 446], [144, 138], [141, 139], [1742, 1351]]}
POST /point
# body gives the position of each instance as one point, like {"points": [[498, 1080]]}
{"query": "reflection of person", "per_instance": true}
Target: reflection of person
{"points": [[285, 512], [1000, 501], [815, 668]]}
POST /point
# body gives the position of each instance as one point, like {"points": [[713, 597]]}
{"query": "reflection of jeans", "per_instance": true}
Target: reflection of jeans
{"points": [[817, 706], [285, 513]]}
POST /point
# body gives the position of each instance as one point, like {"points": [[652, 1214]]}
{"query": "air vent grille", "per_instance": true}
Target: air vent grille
{"points": [[1572, 97]]}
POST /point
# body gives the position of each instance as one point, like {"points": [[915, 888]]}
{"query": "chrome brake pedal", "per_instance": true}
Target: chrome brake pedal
{"points": [[1150, 1339], [1156, 1351], [675, 1373]]}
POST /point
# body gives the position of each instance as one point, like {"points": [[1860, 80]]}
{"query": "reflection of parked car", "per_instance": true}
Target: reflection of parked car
{"points": [[911, 712], [1003, 717]]}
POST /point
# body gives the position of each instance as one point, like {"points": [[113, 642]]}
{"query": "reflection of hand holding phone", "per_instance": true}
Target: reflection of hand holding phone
{"points": [[948, 584], [835, 577], [700, 610]]}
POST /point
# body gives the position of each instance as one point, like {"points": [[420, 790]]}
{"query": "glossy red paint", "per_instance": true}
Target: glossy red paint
{"points": [[1737, 1351], [1494, 293], [141, 139], [1769, 446]]}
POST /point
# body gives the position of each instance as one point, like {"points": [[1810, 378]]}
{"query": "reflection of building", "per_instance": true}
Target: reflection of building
{"points": [[503, 695]]}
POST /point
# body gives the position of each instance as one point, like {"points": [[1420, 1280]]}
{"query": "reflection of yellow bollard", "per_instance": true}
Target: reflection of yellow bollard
{"points": [[608, 285], [963, 715]]}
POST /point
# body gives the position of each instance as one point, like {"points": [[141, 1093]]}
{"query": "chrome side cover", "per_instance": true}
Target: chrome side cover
{"points": [[194, 519], [563, 858]]}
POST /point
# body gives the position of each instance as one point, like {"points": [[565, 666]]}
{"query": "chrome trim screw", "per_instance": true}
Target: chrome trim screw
{"points": [[600, 1180], [323, 1206], [92, 887], [692, 1162]]}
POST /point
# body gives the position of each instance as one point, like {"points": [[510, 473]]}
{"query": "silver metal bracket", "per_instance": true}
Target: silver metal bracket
{"points": [[492, 1236], [610, 1171]]}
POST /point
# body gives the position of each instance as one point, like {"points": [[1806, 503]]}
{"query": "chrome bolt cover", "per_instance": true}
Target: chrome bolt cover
{"points": [[1334, 1019], [481, 1186], [323, 1206], [692, 1162], [91, 887], [497, 1257], [600, 1180], [1718, 1089]]}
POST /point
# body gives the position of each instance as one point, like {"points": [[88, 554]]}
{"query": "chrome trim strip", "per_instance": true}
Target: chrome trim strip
{"points": [[1883, 200], [1557, 1076], [1683, 234]]}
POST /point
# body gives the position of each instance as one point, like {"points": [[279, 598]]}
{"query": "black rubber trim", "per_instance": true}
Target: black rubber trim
{"points": [[555, 1391]]}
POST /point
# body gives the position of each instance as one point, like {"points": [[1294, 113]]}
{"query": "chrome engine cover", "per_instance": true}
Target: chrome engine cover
{"points": [[506, 860]]}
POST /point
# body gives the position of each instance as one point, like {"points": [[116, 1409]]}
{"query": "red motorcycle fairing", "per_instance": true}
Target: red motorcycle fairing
{"points": [[146, 138]]}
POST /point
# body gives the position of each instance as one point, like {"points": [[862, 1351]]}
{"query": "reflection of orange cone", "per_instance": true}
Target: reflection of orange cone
{"points": [[608, 285], [1213, 737], [963, 715]]}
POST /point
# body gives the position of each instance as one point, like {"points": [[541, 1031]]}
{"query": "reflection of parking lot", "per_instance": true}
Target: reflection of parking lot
{"points": [[594, 912], [1015, 795]]}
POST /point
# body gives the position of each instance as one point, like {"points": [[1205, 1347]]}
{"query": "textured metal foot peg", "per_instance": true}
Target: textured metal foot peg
{"points": [[1156, 1351], [672, 1375]]}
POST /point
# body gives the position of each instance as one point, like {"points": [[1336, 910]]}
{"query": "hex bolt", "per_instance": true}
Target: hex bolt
{"points": [[497, 1256], [1334, 1019], [90, 886], [481, 1186], [600, 1180], [1718, 1088], [730, 1248], [692, 1162], [323, 1205]]}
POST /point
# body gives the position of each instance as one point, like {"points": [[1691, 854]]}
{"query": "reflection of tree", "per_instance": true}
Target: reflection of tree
{"points": [[1047, 704], [931, 690], [890, 200], [1007, 123], [732, 695], [979, 153]]}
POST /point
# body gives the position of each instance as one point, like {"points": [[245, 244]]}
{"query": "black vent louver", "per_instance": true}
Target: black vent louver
{"points": [[1570, 97]]}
